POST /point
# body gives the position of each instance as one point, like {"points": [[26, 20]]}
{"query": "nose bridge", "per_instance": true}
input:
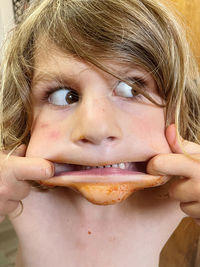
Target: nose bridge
{"points": [[95, 121]]}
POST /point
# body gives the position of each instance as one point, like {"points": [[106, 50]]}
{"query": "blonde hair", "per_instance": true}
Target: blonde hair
{"points": [[134, 32]]}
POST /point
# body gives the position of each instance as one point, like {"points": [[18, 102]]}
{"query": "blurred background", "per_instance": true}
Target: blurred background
{"points": [[6, 18]]}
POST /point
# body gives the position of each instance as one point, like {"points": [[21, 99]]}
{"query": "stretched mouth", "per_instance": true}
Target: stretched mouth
{"points": [[114, 168], [104, 184]]}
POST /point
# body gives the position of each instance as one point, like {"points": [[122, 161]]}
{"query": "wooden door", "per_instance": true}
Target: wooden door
{"points": [[189, 13]]}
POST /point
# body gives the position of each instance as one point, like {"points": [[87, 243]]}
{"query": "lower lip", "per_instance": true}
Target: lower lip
{"points": [[99, 172]]}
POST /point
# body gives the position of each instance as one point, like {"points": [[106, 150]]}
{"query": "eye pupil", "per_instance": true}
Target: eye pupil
{"points": [[71, 97], [134, 92]]}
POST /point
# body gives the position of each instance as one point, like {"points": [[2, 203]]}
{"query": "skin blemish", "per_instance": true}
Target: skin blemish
{"points": [[89, 233], [54, 134], [44, 125]]}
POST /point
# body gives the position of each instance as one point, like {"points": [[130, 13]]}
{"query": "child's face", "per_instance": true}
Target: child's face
{"points": [[99, 123]]}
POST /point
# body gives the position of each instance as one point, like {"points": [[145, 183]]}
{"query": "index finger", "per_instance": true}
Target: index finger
{"points": [[24, 168], [175, 165]]}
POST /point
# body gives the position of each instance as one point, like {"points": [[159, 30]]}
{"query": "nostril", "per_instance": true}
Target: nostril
{"points": [[95, 140], [84, 140], [111, 138]]}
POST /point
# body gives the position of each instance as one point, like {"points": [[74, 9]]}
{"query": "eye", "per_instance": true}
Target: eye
{"points": [[124, 90], [63, 97]]}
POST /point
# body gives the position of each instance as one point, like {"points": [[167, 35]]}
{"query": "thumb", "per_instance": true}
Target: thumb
{"points": [[173, 140], [178, 144], [19, 151]]}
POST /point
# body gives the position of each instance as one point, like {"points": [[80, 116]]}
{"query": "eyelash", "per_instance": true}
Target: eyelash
{"points": [[141, 83], [50, 90]]}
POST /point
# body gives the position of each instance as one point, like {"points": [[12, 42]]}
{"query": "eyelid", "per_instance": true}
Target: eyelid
{"points": [[138, 80], [50, 87], [137, 83]]}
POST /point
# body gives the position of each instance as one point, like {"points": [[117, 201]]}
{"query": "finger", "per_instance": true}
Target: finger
{"points": [[17, 211], [17, 191], [8, 207], [185, 190], [178, 144], [174, 164], [19, 151], [192, 209], [24, 168]]}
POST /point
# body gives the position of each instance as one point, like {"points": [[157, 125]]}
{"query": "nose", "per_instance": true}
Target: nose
{"points": [[95, 122]]}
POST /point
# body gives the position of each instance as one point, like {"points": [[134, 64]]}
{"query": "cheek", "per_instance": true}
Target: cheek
{"points": [[44, 137], [53, 135], [149, 131], [47, 132]]}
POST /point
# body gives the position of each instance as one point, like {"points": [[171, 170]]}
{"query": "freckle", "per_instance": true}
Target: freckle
{"points": [[89, 233]]}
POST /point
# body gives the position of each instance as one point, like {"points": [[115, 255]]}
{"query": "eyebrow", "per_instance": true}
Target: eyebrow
{"points": [[67, 78], [52, 76]]}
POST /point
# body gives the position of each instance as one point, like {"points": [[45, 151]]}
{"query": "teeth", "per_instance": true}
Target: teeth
{"points": [[115, 165], [120, 166], [87, 167]]}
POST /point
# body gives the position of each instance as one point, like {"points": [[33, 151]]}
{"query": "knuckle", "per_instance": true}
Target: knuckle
{"points": [[12, 206], [184, 207], [3, 193], [173, 189], [26, 190], [173, 193], [5, 169]]}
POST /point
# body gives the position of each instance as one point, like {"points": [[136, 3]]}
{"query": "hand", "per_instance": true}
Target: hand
{"points": [[187, 188], [14, 170]]}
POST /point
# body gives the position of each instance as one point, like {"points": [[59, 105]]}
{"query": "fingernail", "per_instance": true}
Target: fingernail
{"points": [[49, 171]]}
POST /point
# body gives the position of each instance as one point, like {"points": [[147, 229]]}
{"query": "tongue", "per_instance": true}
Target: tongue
{"points": [[64, 168]]}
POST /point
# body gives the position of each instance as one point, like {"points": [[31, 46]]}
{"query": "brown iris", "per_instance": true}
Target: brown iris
{"points": [[134, 92], [71, 97]]}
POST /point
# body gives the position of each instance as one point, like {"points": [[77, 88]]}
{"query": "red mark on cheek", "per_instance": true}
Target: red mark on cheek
{"points": [[51, 134], [89, 233], [54, 134], [44, 125]]}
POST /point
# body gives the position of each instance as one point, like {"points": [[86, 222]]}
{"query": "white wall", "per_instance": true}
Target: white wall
{"points": [[6, 18]]}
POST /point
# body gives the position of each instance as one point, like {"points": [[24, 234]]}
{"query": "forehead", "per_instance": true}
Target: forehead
{"points": [[51, 59]]}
